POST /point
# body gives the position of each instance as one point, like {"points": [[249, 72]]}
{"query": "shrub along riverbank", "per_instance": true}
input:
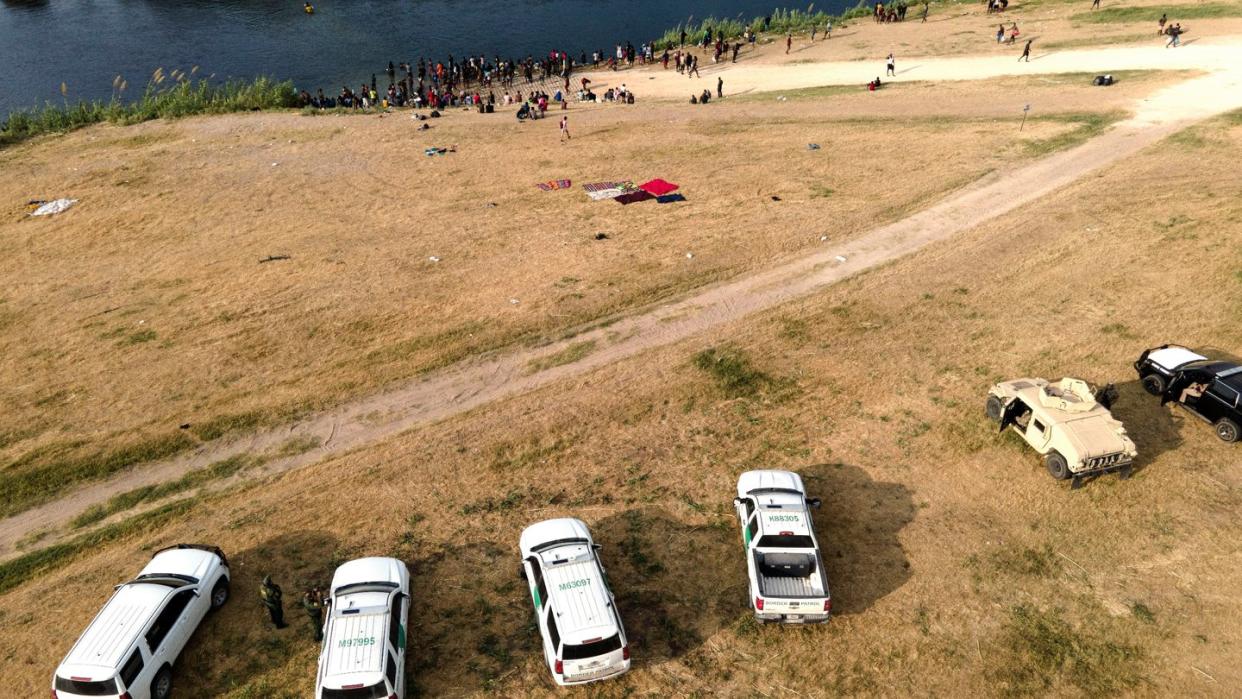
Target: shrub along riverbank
{"points": [[183, 97], [782, 22]]}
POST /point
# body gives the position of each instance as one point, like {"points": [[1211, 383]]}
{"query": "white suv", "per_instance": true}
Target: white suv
{"points": [[364, 638], [129, 649], [583, 639]]}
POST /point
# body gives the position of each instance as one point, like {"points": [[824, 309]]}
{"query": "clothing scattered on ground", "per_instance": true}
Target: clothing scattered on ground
{"points": [[658, 187], [553, 185], [51, 208], [669, 198], [440, 151], [812, 146], [632, 197]]}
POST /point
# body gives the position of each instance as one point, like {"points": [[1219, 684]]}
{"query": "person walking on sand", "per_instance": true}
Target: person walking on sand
{"points": [[813, 28], [1175, 36], [1000, 33], [828, 30], [1163, 19], [719, 86], [891, 66], [1095, 4], [788, 41], [565, 128], [926, 8], [1026, 52]]}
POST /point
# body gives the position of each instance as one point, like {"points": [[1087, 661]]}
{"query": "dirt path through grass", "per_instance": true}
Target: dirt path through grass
{"points": [[477, 382]]}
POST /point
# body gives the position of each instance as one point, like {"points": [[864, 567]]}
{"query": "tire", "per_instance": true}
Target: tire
{"points": [[1057, 466], [1154, 384], [994, 409], [1227, 430], [219, 594], [161, 686]]}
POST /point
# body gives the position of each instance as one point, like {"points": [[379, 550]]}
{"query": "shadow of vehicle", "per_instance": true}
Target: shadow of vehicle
{"points": [[857, 528], [676, 584], [238, 643], [1155, 429]]}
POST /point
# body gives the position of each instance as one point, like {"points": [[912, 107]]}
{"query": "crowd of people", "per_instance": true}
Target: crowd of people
{"points": [[893, 12]]}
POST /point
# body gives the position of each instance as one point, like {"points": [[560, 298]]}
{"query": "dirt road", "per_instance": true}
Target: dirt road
{"points": [[1217, 53], [478, 382]]}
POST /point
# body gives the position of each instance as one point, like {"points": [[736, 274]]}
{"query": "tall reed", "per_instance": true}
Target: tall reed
{"points": [[167, 96]]}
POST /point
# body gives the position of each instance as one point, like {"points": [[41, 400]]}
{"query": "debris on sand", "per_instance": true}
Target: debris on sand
{"points": [[273, 258], [51, 208]]}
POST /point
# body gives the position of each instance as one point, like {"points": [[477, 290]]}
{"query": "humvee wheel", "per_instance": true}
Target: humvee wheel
{"points": [[1057, 466], [994, 409], [1154, 384], [1227, 430]]}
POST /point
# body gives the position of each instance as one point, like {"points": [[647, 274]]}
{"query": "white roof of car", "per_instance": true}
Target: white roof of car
{"points": [[196, 563], [577, 594], [768, 480], [1172, 357], [354, 646], [104, 643], [375, 569], [552, 530]]}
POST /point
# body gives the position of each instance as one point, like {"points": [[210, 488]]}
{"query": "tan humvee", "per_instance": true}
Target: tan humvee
{"points": [[1065, 422]]}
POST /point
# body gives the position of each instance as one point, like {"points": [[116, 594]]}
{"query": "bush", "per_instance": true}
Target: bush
{"points": [[182, 97]]}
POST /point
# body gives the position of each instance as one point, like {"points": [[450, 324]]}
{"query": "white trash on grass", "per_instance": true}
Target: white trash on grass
{"points": [[54, 207]]}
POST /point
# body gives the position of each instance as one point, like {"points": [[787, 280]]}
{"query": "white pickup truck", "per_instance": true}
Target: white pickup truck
{"points": [[787, 581]]}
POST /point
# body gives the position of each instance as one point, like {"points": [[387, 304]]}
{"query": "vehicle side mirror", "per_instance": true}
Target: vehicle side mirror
{"points": [[814, 502], [737, 501], [597, 547]]}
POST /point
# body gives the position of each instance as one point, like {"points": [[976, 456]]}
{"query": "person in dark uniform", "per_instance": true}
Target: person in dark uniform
{"points": [[273, 599], [312, 602], [719, 86]]}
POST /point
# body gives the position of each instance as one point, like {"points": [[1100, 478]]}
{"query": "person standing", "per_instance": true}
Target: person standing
{"points": [[1095, 4], [1175, 36], [926, 8], [828, 30], [312, 602], [788, 41], [1000, 33], [813, 28], [683, 37], [891, 66], [1026, 52], [565, 128], [273, 598], [1163, 19], [719, 86]]}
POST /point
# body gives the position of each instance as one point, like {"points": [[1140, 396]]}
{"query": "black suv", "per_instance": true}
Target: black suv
{"points": [[1207, 388]]}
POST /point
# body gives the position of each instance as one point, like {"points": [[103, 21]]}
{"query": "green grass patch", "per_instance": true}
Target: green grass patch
{"points": [[167, 96], [781, 21], [16, 571], [193, 479], [1098, 41], [569, 355], [1088, 126], [137, 338], [1040, 648], [1179, 13], [43, 474], [732, 371], [1025, 561], [226, 424], [296, 446]]}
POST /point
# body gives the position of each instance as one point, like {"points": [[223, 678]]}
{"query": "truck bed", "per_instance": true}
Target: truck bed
{"points": [[811, 585]]}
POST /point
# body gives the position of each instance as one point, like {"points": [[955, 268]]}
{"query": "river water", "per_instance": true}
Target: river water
{"points": [[85, 44]]}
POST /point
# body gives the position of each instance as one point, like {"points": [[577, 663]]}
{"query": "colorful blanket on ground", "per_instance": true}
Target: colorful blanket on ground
{"points": [[553, 185], [598, 191], [658, 187], [632, 197]]}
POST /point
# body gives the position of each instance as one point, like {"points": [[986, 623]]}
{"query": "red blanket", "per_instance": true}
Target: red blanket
{"points": [[658, 187]]}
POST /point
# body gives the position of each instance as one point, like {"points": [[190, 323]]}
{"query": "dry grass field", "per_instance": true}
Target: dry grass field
{"points": [[146, 307], [143, 324], [958, 566]]}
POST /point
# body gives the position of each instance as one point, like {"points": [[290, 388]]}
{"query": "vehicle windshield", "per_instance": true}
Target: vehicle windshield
{"points": [[87, 688], [593, 649], [786, 541], [169, 579], [375, 691], [384, 586], [558, 542]]}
